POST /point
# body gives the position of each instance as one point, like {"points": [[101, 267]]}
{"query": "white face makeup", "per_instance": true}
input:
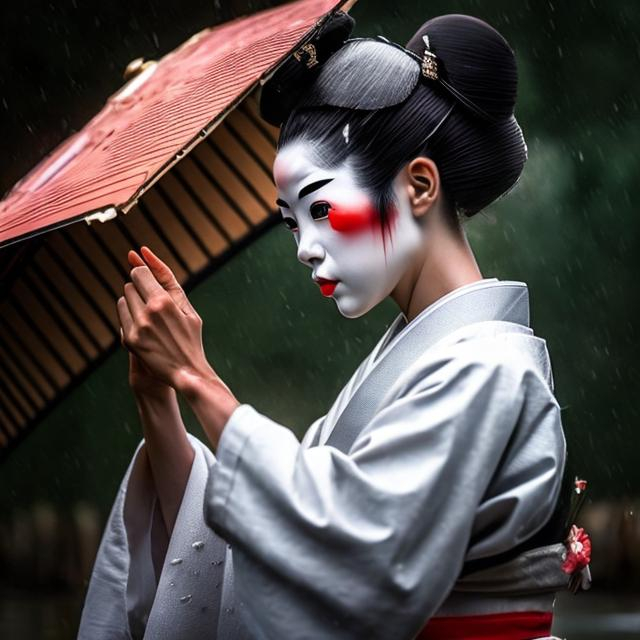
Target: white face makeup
{"points": [[336, 228]]}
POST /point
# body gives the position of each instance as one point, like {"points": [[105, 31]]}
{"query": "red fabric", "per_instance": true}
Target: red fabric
{"points": [[521, 625]]}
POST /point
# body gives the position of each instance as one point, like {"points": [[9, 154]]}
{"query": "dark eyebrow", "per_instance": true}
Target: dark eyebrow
{"points": [[282, 203], [314, 186]]}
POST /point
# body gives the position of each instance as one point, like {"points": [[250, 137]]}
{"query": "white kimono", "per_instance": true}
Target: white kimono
{"points": [[361, 531]]}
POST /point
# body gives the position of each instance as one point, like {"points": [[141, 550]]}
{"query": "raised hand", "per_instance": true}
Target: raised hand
{"points": [[165, 438], [141, 380], [163, 331], [159, 324]]}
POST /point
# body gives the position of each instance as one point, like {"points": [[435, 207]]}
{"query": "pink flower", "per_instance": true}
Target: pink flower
{"points": [[578, 550], [581, 485]]}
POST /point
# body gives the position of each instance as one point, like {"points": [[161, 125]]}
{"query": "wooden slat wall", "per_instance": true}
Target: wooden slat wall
{"points": [[57, 310]]}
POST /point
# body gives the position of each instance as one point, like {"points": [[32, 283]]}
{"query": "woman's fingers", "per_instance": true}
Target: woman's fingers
{"points": [[135, 304], [134, 259], [152, 259], [160, 270], [161, 273], [167, 279], [145, 283], [124, 316]]}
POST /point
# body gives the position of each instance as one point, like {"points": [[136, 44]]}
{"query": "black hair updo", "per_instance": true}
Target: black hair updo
{"points": [[480, 152]]}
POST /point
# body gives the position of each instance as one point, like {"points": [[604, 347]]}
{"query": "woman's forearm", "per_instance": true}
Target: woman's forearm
{"points": [[169, 450], [211, 401]]}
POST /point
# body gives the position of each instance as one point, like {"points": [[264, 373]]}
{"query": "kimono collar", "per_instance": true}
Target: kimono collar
{"points": [[488, 300], [515, 307]]}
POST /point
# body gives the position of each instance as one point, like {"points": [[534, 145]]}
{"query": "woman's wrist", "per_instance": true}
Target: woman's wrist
{"points": [[158, 394], [157, 408], [210, 399], [191, 382], [161, 421]]}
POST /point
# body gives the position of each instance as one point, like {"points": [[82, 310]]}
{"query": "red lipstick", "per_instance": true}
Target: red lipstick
{"points": [[327, 287]]}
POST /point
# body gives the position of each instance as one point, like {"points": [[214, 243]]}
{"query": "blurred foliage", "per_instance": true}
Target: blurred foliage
{"points": [[568, 230]]}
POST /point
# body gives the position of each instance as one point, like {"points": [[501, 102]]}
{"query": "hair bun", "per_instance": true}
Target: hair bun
{"points": [[478, 62], [296, 74]]}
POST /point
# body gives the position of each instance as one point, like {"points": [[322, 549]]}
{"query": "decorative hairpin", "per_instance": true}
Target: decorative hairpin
{"points": [[429, 61], [309, 51]]}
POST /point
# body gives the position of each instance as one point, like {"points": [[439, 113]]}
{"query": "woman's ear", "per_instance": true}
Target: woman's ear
{"points": [[423, 182]]}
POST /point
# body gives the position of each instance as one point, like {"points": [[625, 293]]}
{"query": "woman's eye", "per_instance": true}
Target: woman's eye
{"points": [[290, 223], [319, 210]]}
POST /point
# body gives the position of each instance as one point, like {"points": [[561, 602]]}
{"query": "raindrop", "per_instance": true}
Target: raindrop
{"points": [[172, 584], [197, 545], [176, 561], [186, 599]]}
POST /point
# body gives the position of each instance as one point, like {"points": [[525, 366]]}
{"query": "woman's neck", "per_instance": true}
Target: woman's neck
{"points": [[446, 263]]}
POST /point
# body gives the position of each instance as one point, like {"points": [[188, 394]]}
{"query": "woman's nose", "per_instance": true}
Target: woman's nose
{"points": [[309, 246]]}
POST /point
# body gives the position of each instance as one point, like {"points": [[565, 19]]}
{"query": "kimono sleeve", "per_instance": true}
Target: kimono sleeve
{"points": [[142, 576], [367, 544]]}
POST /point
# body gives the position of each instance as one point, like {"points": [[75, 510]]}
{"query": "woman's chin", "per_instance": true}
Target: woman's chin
{"points": [[352, 308]]}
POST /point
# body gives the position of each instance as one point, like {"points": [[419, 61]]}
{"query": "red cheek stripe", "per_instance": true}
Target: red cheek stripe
{"points": [[350, 219]]}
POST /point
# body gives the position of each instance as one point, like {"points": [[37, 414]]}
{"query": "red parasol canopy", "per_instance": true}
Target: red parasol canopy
{"points": [[157, 117]]}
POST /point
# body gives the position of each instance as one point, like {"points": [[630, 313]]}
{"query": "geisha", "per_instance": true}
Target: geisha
{"points": [[426, 502]]}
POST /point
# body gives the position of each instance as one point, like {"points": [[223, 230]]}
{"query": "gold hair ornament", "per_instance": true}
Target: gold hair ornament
{"points": [[310, 52], [429, 61]]}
